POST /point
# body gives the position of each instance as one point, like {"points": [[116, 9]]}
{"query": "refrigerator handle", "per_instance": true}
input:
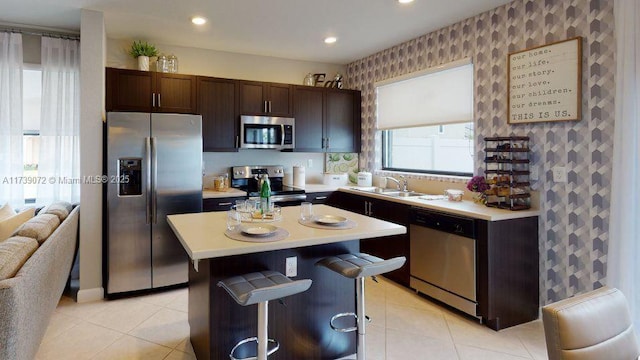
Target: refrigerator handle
{"points": [[147, 154], [154, 167]]}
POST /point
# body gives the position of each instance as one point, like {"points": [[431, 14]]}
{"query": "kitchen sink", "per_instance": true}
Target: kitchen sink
{"points": [[391, 192]]}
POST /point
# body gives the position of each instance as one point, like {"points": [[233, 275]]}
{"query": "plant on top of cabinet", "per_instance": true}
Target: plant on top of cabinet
{"points": [[143, 51]]}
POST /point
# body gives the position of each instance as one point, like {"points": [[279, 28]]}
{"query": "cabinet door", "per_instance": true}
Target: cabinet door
{"points": [[279, 98], [252, 98], [342, 121], [309, 113], [128, 90], [175, 93], [217, 105]]}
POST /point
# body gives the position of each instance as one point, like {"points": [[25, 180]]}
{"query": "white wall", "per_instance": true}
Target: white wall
{"points": [[224, 64], [92, 88]]}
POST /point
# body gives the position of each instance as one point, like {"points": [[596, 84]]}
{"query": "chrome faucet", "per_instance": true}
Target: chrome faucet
{"points": [[401, 187]]}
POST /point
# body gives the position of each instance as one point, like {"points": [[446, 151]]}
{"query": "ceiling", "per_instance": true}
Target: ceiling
{"points": [[292, 29]]}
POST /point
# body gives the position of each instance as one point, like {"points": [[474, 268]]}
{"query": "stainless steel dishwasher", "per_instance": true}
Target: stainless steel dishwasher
{"points": [[443, 258]]}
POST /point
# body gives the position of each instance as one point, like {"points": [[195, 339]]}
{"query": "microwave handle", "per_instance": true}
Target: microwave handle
{"points": [[282, 137]]}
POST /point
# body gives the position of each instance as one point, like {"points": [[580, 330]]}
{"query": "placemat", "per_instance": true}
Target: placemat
{"points": [[280, 234], [349, 224]]}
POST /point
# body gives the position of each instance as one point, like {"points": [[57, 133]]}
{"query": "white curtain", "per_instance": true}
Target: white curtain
{"points": [[11, 162], [59, 161], [623, 260]]}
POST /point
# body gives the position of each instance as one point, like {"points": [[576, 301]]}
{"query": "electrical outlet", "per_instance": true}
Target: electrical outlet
{"points": [[534, 173], [309, 163], [291, 265], [559, 174]]}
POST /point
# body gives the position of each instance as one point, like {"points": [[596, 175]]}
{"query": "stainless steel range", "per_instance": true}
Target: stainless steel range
{"points": [[246, 178]]}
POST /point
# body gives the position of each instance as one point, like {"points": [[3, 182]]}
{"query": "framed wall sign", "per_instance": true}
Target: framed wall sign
{"points": [[545, 83]]}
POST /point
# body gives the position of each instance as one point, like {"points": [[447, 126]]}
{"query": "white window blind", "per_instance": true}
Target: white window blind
{"points": [[435, 96]]}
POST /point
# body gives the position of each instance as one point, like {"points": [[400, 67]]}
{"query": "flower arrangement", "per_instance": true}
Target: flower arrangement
{"points": [[478, 185], [140, 48]]}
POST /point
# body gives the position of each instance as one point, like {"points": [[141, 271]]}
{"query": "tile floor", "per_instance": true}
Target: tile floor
{"points": [[404, 326]]}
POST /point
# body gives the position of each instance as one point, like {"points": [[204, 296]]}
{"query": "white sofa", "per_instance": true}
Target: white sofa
{"points": [[28, 299]]}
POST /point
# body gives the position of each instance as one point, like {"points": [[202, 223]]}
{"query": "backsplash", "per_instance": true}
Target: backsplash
{"points": [[574, 215], [340, 163]]}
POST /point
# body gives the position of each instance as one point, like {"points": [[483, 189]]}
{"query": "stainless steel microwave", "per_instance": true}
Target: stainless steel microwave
{"points": [[266, 132]]}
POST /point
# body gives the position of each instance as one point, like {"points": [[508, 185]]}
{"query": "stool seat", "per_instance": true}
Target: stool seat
{"points": [[262, 286], [361, 265]]}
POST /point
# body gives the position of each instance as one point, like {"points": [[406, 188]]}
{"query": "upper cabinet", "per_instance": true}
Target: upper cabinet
{"points": [[217, 105], [271, 99], [146, 91], [327, 120]]}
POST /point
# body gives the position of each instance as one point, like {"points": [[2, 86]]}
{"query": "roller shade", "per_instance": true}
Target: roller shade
{"points": [[436, 96]]}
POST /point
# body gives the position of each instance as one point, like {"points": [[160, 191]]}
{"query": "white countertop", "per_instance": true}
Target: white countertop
{"points": [[463, 208], [202, 234], [231, 192]]}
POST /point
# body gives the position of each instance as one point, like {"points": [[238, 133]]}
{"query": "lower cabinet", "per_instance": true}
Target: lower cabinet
{"points": [[319, 197], [389, 246]]}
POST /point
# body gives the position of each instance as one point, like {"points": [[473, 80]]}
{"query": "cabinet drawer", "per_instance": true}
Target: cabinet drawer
{"points": [[219, 204]]}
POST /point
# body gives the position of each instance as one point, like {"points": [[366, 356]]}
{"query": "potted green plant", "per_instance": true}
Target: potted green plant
{"points": [[143, 51]]}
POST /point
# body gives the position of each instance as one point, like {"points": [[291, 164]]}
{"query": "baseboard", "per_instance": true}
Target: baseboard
{"points": [[88, 295]]}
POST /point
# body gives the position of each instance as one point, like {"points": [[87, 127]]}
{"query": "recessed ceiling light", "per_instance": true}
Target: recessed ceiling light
{"points": [[330, 40], [198, 20], [405, 1]]}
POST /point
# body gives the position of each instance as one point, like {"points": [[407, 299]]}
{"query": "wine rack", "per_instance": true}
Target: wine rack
{"points": [[507, 172]]}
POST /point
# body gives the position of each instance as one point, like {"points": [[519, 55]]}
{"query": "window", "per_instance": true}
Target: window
{"points": [[31, 106], [426, 120]]}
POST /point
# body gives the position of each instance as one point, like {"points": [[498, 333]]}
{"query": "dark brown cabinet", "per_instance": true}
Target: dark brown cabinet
{"points": [[327, 119], [319, 197], [220, 204], [388, 246], [217, 105], [260, 98], [147, 91]]}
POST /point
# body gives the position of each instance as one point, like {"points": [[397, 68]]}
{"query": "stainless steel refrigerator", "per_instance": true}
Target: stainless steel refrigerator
{"points": [[154, 169]]}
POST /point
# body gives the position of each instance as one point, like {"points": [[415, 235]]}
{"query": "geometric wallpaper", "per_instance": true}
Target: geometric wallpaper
{"points": [[574, 216]]}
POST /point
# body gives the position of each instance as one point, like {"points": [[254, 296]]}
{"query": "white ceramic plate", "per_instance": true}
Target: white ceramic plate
{"points": [[330, 219], [258, 230]]}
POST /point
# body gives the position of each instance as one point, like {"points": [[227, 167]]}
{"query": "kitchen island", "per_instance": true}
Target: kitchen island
{"points": [[217, 323]]}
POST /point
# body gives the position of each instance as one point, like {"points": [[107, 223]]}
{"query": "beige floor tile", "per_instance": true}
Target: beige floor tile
{"points": [[375, 342], [403, 345], [422, 322], [181, 302], [467, 332], [186, 346], [376, 309], [473, 353], [83, 311], [162, 298], [532, 336], [58, 324], [124, 315], [80, 342], [132, 348], [400, 295], [166, 327], [179, 355]]}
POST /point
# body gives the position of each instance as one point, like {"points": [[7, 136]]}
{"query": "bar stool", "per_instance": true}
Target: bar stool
{"points": [[358, 266], [260, 288]]}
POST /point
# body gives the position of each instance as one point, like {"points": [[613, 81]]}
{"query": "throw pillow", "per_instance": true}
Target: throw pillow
{"points": [[10, 224], [14, 252], [39, 227], [6, 211], [60, 208]]}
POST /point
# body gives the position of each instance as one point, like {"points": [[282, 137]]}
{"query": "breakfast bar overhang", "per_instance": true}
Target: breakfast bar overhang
{"points": [[301, 324]]}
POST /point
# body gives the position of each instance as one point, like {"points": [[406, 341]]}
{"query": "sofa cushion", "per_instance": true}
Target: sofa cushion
{"points": [[59, 208], [39, 227], [14, 252], [6, 211], [10, 224]]}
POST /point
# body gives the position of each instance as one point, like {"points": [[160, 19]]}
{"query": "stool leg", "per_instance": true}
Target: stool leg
{"points": [[263, 336], [362, 318]]}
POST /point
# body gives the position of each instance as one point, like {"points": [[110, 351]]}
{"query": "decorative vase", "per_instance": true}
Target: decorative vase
{"points": [[479, 198], [143, 63]]}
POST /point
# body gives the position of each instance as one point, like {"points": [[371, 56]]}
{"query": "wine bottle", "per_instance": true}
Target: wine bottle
{"points": [[265, 194]]}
